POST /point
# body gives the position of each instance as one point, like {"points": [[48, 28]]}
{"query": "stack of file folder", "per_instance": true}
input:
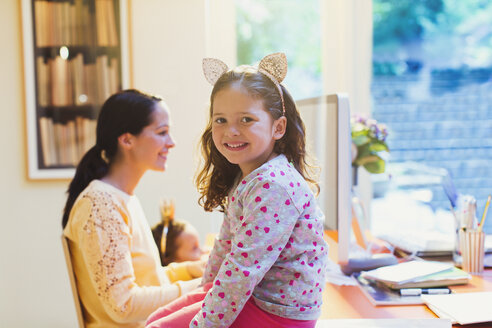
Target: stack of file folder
{"points": [[418, 274], [381, 286]]}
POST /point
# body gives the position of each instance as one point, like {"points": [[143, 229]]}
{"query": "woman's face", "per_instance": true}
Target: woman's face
{"points": [[151, 146]]}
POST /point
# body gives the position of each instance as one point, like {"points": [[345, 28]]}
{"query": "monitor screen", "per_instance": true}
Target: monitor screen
{"points": [[328, 139]]}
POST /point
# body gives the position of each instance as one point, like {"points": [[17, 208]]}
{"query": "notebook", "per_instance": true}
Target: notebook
{"points": [[406, 272], [450, 277], [461, 308], [379, 294]]}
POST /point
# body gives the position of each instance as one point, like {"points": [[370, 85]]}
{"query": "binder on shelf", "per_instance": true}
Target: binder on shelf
{"points": [[72, 145], [43, 82], [46, 127]]}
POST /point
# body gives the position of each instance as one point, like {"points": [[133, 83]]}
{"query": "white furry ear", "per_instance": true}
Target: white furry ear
{"points": [[213, 69], [276, 65]]}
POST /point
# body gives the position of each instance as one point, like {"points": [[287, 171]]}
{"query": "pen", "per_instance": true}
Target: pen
{"points": [[419, 291], [484, 215]]}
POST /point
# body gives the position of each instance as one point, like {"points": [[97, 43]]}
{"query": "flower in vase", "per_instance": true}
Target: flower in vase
{"points": [[369, 140]]}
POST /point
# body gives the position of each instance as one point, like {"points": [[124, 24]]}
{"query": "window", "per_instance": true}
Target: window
{"points": [[289, 26], [432, 86]]}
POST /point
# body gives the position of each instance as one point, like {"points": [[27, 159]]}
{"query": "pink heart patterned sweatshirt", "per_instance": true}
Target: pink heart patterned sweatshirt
{"points": [[270, 247]]}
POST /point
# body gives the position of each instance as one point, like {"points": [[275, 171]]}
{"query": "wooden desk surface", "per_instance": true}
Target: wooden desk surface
{"points": [[348, 302]]}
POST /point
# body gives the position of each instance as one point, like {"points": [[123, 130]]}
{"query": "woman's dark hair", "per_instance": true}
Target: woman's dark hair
{"points": [[217, 174], [128, 111], [174, 230]]}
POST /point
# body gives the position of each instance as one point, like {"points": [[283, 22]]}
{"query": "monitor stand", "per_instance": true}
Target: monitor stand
{"points": [[367, 263]]}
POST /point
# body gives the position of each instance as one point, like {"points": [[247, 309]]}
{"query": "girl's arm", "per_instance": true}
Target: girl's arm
{"points": [[222, 246], [267, 222], [104, 241]]}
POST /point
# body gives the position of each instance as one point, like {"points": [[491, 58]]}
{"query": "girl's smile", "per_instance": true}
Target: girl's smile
{"points": [[236, 146]]}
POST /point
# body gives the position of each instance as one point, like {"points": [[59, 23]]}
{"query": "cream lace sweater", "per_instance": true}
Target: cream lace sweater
{"points": [[116, 262]]}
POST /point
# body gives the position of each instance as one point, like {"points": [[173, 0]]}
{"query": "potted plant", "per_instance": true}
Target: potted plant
{"points": [[368, 141]]}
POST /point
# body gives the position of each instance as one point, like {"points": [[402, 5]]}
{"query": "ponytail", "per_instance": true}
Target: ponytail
{"points": [[127, 111], [91, 166]]}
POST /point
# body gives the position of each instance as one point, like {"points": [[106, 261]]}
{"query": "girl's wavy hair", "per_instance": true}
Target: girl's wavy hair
{"points": [[217, 175]]}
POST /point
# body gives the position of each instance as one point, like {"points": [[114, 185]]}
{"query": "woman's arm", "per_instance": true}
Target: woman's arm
{"points": [[104, 238], [184, 270]]}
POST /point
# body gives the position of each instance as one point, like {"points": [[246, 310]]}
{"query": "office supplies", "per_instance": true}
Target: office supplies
{"points": [[420, 243], [450, 277], [420, 291], [450, 190], [484, 215], [462, 308], [405, 272], [466, 211], [472, 250], [379, 294]]}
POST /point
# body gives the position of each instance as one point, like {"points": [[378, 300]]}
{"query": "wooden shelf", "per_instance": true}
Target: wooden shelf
{"points": [[75, 57]]}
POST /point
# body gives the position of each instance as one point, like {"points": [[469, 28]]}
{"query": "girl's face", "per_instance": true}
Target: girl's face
{"points": [[188, 245], [151, 146], [242, 130]]}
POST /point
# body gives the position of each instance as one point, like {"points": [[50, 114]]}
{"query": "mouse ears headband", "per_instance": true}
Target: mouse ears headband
{"points": [[274, 66]]}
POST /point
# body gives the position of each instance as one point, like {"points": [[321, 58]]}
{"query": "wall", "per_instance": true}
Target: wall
{"points": [[347, 57], [169, 40]]}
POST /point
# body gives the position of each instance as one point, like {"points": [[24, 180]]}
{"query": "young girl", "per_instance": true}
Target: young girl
{"points": [[119, 276], [177, 241], [267, 264]]}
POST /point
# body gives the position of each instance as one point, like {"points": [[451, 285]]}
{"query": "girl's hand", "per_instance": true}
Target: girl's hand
{"points": [[196, 268]]}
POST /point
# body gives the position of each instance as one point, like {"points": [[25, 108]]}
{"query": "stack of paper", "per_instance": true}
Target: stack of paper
{"points": [[418, 274], [462, 308]]}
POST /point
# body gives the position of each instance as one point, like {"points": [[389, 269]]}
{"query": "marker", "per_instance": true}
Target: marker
{"points": [[420, 291]]}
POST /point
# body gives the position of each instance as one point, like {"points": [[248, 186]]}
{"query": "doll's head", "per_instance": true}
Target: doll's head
{"points": [[180, 243]]}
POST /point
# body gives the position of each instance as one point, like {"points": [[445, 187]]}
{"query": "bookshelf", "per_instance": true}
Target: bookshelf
{"points": [[75, 56]]}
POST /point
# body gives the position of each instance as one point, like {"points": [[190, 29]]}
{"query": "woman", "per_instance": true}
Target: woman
{"points": [[115, 259]]}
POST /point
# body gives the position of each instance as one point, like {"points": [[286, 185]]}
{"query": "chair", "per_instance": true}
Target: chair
{"points": [[73, 282]]}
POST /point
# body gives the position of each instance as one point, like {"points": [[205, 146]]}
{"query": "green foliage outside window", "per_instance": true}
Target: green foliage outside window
{"points": [[289, 26]]}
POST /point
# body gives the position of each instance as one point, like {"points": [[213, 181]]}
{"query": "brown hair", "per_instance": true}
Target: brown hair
{"points": [[125, 111], [217, 174], [174, 230]]}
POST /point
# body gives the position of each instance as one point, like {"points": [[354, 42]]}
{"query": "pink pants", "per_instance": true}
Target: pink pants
{"points": [[178, 314]]}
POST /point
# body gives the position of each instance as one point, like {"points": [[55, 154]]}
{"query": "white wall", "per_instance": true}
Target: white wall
{"points": [[169, 40], [347, 57]]}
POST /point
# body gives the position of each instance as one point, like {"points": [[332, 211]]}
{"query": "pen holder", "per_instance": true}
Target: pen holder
{"points": [[472, 250], [457, 259]]}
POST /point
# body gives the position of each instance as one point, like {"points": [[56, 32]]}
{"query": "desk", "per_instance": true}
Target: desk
{"points": [[348, 302]]}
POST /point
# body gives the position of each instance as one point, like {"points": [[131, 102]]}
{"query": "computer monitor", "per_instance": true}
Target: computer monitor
{"points": [[328, 137]]}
